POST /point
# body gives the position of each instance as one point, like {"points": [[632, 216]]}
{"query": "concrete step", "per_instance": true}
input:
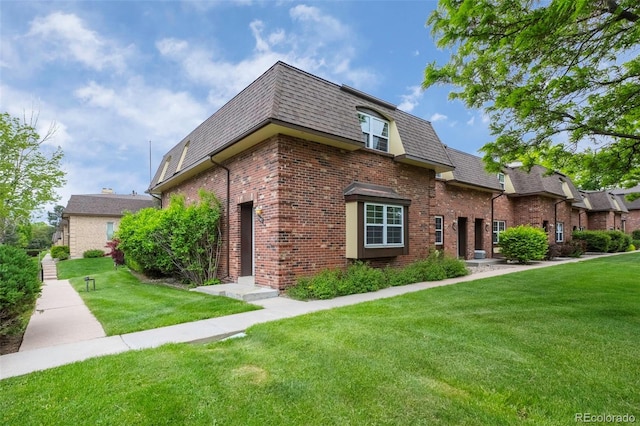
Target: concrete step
{"points": [[481, 262], [247, 293]]}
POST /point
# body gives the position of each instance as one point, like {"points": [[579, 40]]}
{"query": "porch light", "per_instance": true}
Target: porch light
{"points": [[258, 211]]}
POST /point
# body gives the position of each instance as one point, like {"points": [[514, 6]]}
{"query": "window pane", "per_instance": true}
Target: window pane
{"points": [[380, 144], [374, 235], [364, 123], [394, 215], [394, 235], [375, 214], [379, 127]]}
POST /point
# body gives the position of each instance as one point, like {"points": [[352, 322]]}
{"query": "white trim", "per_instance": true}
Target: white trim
{"points": [[385, 225]]}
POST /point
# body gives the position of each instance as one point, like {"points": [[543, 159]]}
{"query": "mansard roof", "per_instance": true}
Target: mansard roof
{"points": [[602, 201], [538, 181], [469, 171], [290, 101]]}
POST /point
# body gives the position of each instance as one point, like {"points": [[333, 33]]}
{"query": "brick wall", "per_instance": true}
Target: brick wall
{"points": [[452, 203], [632, 220], [300, 187], [88, 233]]}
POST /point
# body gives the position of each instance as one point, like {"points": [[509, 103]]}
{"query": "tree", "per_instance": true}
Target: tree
{"points": [[29, 171], [559, 79], [55, 217]]}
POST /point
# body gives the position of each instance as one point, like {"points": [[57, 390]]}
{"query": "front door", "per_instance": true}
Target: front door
{"points": [[479, 234], [462, 237], [246, 239]]}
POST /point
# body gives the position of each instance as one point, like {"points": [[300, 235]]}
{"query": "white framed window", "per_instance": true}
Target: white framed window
{"points": [[110, 230], [559, 232], [439, 230], [501, 180], [384, 225], [498, 227], [375, 131]]}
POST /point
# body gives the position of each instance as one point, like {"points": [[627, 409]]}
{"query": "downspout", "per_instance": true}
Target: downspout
{"points": [[228, 212], [555, 221], [492, 219]]}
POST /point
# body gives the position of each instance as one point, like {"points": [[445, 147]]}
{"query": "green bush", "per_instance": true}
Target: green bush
{"points": [[619, 241], [596, 241], [636, 235], [19, 289], [636, 243], [93, 253], [523, 243], [632, 247], [362, 278], [180, 240], [60, 252]]}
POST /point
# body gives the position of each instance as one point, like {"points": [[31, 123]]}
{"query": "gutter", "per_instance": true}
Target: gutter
{"points": [[492, 219]]}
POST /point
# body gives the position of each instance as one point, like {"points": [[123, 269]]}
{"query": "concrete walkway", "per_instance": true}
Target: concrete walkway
{"points": [[43, 353]]}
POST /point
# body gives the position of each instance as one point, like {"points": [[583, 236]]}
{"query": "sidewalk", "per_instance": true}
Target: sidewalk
{"points": [[40, 356]]}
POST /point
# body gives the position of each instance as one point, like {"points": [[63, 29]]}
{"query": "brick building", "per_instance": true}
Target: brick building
{"points": [[606, 211], [89, 221], [630, 220], [313, 175]]}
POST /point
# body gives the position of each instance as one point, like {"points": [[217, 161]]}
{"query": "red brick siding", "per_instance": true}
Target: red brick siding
{"points": [[632, 221], [300, 185], [453, 202]]}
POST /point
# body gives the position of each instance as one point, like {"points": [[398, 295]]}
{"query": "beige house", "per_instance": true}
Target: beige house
{"points": [[89, 221]]}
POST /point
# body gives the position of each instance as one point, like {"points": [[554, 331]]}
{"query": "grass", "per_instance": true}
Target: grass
{"points": [[533, 347], [123, 304]]}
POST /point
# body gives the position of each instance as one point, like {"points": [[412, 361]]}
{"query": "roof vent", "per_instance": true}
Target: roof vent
{"points": [[107, 191]]}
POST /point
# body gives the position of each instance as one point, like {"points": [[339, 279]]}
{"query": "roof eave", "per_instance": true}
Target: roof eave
{"points": [[421, 162]]}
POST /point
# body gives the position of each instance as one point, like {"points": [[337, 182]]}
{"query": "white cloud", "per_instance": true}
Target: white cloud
{"points": [[164, 115], [317, 43], [471, 121], [410, 101], [65, 36], [437, 117]]}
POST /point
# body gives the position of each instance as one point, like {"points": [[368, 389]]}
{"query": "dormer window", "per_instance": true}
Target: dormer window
{"points": [[375, 130], [501, 180]]}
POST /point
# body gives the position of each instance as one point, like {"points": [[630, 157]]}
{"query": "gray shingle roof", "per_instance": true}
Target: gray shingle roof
{"points": [[469, 170], [605, 201], [291, 97], [538, 181], [631, 205], [107, 204]]}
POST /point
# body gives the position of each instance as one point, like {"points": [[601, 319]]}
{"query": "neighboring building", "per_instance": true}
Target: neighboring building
{"points": [[312, 175], [540, 198], [606, 210], [89, 221], [464, 207], [630, 221]]}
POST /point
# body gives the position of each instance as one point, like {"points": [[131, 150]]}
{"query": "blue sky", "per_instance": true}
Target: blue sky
{"points": [[114, 75]]}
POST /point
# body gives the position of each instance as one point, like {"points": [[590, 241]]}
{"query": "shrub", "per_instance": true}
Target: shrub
{"points": [[636, 234], [180, 240], [361, 278], [523, 243], [597, 241], [19, 289], [574, 248], [60, 252], [632, 247], [636, 243], [93, 253], [116, 254], [619, 241]]}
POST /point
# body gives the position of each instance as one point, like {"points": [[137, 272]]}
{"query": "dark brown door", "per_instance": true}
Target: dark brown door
{"points": [[479, 234], [462, 237], [246, 239]]}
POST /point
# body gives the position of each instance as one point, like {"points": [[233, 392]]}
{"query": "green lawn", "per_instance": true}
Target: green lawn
{"points": [[123, 304], [533, 347]]}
